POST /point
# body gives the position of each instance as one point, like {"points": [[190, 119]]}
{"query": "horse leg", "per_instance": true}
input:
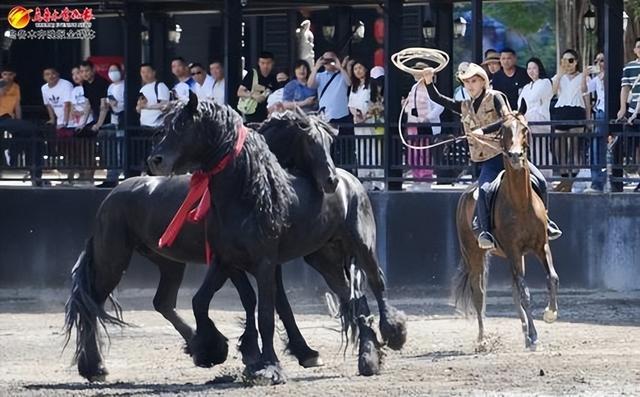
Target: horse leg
{"points": [[551, 311], [268, 370], [522, 300], [297, 345], [470, 281], [208, 346], [164, 301], [478, 284], [248, 342], [393, 327], [95, 275], [331, 262]]}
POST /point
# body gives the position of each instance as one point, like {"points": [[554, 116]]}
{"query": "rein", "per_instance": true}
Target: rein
{"points": [[199, 193]]}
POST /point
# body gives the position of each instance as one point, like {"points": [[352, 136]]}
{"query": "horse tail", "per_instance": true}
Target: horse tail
{"points": [[463, 285], [462, 289], [463, 281], [82, 310]]}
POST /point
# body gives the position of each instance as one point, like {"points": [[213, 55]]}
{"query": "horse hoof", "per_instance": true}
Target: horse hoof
{"points": [[531, 345], [92, 372], [100, 375], [393, 328], [209, 349], [264, 374], [368, 359], [312, 362], [549, 316]]}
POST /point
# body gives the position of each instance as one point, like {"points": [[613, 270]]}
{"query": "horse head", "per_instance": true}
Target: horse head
{"points": [[304, 143], [193, 137], [515, 138]]}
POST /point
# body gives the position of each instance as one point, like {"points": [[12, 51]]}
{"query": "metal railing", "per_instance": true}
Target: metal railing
{"points": [[563, 154]]}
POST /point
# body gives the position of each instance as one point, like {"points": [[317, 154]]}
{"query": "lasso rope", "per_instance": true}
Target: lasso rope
{"points": [[402, 60]]}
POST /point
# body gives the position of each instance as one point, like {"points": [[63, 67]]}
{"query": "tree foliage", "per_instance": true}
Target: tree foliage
{"points": [[524, 17]]}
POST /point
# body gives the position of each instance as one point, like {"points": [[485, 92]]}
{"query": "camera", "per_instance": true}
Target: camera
{"points": [[331, 61], [594, 69]]}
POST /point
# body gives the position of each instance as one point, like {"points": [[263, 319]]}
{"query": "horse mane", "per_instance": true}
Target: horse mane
{"points": [[280, 130], [266, 183]]}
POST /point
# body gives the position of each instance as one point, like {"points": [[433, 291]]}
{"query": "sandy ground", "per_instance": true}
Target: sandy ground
{"points": [[592, 350]]}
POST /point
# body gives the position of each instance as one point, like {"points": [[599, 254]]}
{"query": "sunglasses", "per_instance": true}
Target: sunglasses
{"points": [[194, 73], [599, 61], [570, 60]]}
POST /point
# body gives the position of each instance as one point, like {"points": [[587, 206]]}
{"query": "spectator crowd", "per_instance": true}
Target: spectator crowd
{"points": [[346, 92]]}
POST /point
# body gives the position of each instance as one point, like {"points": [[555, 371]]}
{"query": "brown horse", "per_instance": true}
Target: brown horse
{"points": [[519, 226]]}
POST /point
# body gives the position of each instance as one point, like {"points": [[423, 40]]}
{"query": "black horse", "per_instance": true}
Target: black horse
{"points": [[126, 222], [262, 216]]}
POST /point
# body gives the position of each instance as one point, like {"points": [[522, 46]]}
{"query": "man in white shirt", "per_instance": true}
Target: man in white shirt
{"points": [[204, 82], [217, 73], [185, 83], [153, 97], [56, 95], [333, 98]]}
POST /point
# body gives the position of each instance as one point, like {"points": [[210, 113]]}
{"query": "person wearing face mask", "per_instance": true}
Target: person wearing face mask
{"points": [[114, 104], [114, 101], [482, 117], [569, 85]]}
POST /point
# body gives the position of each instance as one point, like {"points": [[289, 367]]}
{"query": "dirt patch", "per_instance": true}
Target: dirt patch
{"points": [[591, 349]]}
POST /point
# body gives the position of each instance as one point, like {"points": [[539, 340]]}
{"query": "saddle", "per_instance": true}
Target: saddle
{"points": [[492, 193]]}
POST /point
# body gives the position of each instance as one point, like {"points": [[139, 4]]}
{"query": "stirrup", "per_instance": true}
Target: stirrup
{"points": [[486, 241], [553, 230]]}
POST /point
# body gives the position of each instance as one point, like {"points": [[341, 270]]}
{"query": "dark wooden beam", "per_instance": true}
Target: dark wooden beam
{"points": [[132, 61], [392, 43], [476, 30], [232, 23]]}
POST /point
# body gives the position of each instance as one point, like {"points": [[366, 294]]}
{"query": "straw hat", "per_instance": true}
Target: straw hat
{"points": [[491, 58], [473, 70]]}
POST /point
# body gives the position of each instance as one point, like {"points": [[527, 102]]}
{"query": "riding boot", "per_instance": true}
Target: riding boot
{"points": [[553, 231], [485, 239]]}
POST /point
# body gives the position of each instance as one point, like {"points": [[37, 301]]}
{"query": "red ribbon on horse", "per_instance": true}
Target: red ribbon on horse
{"points": [[199, 193]]}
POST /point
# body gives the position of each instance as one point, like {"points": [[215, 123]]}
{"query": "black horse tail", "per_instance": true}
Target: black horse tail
{"points": [[462, 288], [82, 310]]}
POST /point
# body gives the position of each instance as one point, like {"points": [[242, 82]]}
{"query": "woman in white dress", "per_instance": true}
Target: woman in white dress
{"points": [[362, 102], [570, 86], [537, 97]]}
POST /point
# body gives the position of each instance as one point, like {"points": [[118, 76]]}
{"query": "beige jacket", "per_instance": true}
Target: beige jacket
{"points": [[485, 115]]}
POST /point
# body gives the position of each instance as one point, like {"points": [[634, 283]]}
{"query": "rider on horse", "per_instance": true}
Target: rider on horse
{"points": [[482, 117]]}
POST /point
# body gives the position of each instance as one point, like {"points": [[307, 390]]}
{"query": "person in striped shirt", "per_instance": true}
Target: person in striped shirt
{"points": [[630, 87], [629, 98]]}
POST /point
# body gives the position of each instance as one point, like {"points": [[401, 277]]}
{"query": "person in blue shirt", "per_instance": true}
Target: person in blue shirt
{"points": [[333, 98], [297, 93]]}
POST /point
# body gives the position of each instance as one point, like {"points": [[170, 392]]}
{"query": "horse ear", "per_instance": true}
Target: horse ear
{"points": [[192, 105], [523, 107]]}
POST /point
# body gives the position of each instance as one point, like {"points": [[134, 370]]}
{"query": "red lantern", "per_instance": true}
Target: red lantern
{"points": [[378, 57], [378, 30]]}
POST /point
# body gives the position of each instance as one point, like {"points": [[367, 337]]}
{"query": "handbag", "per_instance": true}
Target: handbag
{"points": [[249, 105]]}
